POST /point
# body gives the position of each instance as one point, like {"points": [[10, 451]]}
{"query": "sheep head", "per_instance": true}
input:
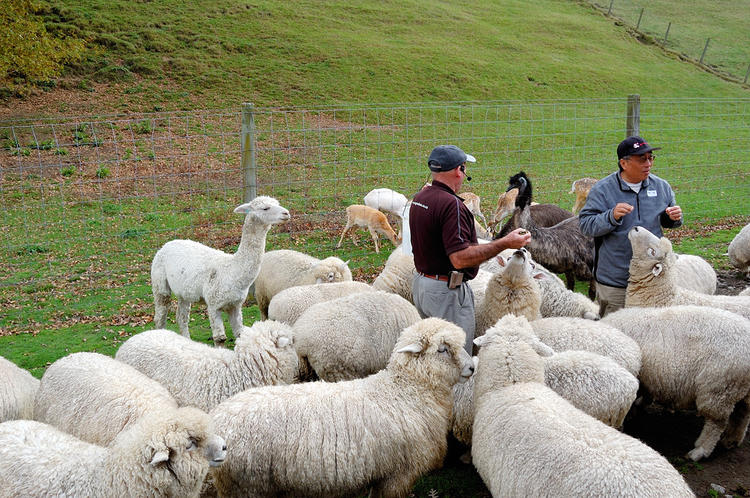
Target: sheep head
{"points": [[516, 329], [331, 269], [651, 255], [431, 353]]}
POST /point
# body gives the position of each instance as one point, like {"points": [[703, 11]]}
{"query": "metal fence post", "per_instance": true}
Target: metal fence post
{"points": [[667, 33], [704, 50], [633, 124], [250, 186], [609, 12], [640, 16]]}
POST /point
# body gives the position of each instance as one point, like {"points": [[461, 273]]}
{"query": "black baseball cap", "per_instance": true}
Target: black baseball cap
{"points": [[448, 157], [634, 146]]}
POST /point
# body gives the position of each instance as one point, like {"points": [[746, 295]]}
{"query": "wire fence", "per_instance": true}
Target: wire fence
{"points": [[95, 197], [720, 46]]}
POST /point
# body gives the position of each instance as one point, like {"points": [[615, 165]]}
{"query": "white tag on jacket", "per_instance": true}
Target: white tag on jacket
{"points": [[651, 193]]}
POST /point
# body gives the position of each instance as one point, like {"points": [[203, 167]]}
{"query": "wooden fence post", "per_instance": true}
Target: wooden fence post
{"points": [[633, 124], [250, 186]]}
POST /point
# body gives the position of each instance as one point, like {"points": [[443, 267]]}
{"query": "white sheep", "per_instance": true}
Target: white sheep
{"points": [[593, 383], [17, 390], [376, 223], [95, 397], [284, 268], [739, 250], [695, 273], [745, 292], [352, 336], [529, 441], [397, 274], [193, 271], [652, 280], [160, 455], [695, 357], [201, 376], [337, 439], [289, 304], [511, 290]]}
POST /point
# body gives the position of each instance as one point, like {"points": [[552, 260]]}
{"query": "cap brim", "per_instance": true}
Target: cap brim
{"points": [[470, 158], [640, 152]]}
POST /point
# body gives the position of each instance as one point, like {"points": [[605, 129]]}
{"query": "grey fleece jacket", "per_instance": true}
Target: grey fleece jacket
{"points": [[613, 250]]}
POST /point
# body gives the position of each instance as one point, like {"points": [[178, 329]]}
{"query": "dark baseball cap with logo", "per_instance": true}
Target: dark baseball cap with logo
{"points": [[448, 157], [634, 146]]}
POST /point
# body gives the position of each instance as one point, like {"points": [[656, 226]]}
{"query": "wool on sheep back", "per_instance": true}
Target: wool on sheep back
{"points": [[17, 390], [288, 305], [652, 280], [352, 336], [397, 274], [739, 250], [323, 439], [160, 455], [202, 376], [695, 357], [284, 268], [194, 272]]}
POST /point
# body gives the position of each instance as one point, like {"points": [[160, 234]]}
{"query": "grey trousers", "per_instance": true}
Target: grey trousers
{"points": [[433, 298], [610, 298]]}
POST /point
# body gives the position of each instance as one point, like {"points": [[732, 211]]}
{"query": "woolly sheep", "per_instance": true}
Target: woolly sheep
{"points": [[511, 290], [652, 280], [695, 357], [17, 390], [695, 273], [289, 304], [745, 292], [352, 336], [160, 455], [323, 439], [201, 376], [739, 250], [595, 384], [95, 397], [397, 274], [193, 271], [284, 268], [529, 441]]}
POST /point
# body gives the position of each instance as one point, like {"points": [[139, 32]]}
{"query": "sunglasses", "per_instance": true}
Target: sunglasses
{"points": [[644, 158]]}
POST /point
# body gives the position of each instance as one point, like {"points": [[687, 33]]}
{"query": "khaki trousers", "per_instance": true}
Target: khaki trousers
{"points": [[610, 299]]}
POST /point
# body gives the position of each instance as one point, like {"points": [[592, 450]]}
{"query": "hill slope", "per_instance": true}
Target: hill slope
{"points": [[171, 55]]}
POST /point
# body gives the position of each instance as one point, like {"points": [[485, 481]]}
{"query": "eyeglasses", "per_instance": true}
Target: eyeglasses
{"points": [[644, 158]]}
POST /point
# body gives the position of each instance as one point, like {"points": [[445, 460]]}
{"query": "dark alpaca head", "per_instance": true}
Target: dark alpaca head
{"points": [[522, 182]]}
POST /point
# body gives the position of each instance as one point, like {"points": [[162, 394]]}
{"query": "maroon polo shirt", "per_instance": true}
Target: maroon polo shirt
{"points": [[440, 225]]}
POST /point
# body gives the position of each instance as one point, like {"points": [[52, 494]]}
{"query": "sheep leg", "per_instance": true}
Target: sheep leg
{"points": [[374, 235], [235, 319], [183, 316], [395, 485], [217, 326], [706, 442], [161, 308], [738, 422]]}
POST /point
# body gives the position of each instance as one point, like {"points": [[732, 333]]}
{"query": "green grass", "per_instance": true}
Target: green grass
{"points": [[311, 52]]}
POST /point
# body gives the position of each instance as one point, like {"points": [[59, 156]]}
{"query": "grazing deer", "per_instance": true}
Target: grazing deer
{"points": [[374, 220]]}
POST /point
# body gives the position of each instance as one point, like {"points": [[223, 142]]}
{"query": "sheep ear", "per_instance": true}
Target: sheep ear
{"points": [[542, 349], [500, 260], [243, 208], [656, 270], [538, 275], [283, 341], [159, 457], [481, 340], [665, 245], [414, 347]]}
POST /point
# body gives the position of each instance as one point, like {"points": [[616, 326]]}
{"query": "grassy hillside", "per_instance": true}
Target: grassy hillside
{"points": [[175, 55]]}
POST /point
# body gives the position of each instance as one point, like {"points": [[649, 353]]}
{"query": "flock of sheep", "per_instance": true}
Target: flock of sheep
{"points": [[341, 387]]}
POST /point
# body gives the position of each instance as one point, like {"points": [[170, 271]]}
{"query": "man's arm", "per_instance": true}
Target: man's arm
{"points": [[598, 217], [474, 255]]}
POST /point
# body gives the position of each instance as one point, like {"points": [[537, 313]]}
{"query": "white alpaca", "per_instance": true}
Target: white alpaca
{"points": [[193, 271]]}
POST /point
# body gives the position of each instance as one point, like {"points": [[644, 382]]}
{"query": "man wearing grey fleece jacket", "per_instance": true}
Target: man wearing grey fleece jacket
{"points": [[629, 197]]}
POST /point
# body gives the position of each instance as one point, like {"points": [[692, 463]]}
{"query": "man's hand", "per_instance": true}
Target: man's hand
{"points": [[620, 210], [674, 213], [516, 239]]}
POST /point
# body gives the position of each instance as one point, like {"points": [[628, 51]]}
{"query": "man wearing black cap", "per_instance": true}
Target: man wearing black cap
{"points": [[629, 197], [444, 243]]}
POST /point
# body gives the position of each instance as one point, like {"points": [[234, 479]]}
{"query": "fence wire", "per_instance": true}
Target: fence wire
{"points": [[97, 196]]}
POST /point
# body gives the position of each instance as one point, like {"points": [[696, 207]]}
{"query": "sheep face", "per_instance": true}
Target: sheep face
{"points": [[519, 265], [329, 270], [651, 255], [432, 352], [264, 209]]}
